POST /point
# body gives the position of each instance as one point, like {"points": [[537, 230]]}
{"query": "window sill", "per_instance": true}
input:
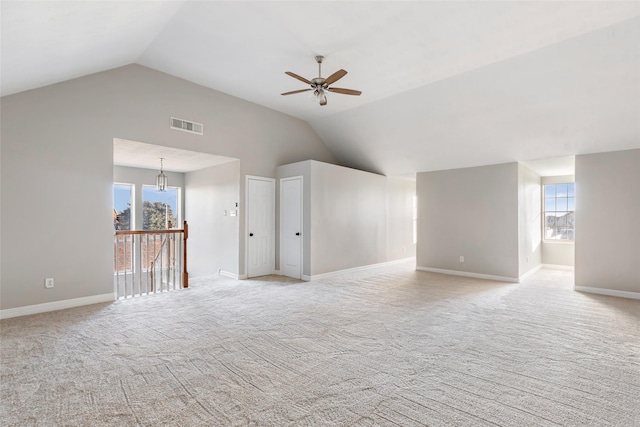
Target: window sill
{"points": [[559, 242]]}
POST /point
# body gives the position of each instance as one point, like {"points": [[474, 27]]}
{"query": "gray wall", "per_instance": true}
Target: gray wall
{"points": [[352, 218], [348, 218], [558, 254], [529, 219], [57, 168], [607, 221], [139, 177], [213, 242], [471, 212]]}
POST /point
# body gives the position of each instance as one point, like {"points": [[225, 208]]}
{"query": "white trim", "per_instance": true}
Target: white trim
{"points": [[401, 260], [608, 292], [559, 267], [229, 275], [354, 269], [468, 274], [558, 179], [558, 241], [530, 272], [55, 305]]}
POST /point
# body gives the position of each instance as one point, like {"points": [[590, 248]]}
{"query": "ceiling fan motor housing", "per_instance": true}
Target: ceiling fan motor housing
{"points": [[318, 81]]}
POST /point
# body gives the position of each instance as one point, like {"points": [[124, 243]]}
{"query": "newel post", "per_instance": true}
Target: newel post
{"points": [[185, 274]]}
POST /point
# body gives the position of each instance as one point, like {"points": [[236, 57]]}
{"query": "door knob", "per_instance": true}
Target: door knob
{"points": [[250, 234], [297, 234]]}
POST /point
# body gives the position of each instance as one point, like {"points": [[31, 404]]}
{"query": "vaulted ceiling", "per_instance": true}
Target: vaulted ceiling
{"points": [[445, 84]]}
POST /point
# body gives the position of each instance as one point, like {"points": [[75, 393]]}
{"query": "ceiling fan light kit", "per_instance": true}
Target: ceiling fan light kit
{"points": [[320, 86]]}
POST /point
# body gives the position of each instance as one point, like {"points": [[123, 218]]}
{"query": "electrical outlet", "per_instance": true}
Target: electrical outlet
{"points": [[48, 282], [461, 258]]}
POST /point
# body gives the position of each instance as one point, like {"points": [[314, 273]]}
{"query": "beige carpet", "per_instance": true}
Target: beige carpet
{"points": [[384, 347]]}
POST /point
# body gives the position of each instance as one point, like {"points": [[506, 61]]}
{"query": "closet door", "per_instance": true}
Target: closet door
{"points": [[291, 227], [260, 227]]}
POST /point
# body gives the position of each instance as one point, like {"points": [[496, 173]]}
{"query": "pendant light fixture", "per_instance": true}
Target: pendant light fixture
{"points": [[161, 180]]}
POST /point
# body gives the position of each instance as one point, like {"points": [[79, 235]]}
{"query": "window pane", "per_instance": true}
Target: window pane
{"points": [[549, 205], [570, 190], [159, 208], [550, 190], [548, 232], [561, 220], [571, 204], [561, 204], [550, 219], [571, 233], [571, 219], [562, 233], [561, 190], [122, 206]]}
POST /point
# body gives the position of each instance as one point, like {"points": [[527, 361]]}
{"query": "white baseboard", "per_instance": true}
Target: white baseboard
{"points": [[354, 269], [530, 272], [55, 305], [608, 292], [558, 267], [468, 274], [401, 260], [233, 275]]}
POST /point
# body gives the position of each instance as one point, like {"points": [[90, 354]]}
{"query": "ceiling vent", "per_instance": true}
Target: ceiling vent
{"points": [[186, 126]]}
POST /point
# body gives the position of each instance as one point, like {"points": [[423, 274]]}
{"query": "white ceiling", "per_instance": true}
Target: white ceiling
{"points": [[445, 84], [147, 156]]}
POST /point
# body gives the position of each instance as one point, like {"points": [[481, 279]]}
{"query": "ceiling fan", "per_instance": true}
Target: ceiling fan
{"points": [[320, 85]]}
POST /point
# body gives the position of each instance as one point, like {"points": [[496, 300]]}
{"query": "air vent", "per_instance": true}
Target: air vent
{"points": [[186, 126]]}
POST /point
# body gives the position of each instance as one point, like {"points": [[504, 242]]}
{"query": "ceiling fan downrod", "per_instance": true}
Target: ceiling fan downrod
{"points": [[319, 60]]}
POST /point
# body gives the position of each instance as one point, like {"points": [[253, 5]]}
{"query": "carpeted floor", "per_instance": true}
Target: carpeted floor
{"points": [[384, 347]]}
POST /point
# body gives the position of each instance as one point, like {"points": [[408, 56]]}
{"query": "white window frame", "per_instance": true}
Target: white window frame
{"points": [[544, 211]]}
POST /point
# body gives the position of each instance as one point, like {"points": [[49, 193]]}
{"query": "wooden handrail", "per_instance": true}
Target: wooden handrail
{"points": [[169, 231]]}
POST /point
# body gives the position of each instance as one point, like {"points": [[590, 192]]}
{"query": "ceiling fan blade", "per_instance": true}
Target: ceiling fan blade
{"points": [[335, 77], [295, 76], [344, 91], [296, 91]]}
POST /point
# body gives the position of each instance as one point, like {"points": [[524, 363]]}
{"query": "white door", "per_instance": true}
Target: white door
{"points": [[260, 226], [291, 227]]}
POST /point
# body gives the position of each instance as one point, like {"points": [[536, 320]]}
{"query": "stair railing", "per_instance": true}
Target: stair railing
{"points": [[150, 261]]}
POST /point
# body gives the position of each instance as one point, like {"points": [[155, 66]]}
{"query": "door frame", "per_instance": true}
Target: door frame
{"points": [[302, 234], [246, 221]]}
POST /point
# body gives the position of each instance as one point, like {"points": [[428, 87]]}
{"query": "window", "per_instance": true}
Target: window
{"points": [[122, 196], [160, 209], [559, 206]]}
